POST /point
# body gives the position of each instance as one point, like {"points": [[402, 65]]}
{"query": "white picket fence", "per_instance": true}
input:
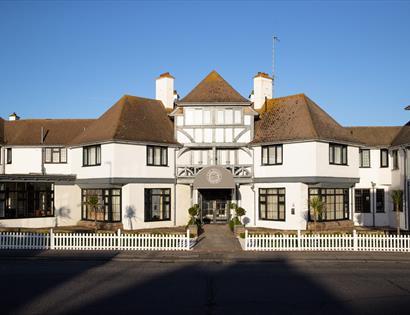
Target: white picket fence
{"points": [[330, 242], [94, 241]]}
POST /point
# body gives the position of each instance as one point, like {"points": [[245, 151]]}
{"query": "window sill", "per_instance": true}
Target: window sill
{"points": [[91, 165], [273, 220], [334, 164], [157, 165], [277, 164], [164, 220]]}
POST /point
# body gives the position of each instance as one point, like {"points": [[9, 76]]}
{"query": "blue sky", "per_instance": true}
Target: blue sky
{"points": [[74, 59]]}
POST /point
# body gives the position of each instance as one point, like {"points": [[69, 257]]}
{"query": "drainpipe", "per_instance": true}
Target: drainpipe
{"points": [[405, 190], [43, 171], [175, 187], [3, 159], [373, 203]]}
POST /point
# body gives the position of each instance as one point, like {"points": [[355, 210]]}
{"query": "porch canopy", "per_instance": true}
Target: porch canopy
{"points": [[214, 177]]}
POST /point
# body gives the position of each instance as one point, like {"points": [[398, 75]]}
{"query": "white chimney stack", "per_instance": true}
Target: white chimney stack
{"points": [[13, 117], [262, 89], [165, 89]]}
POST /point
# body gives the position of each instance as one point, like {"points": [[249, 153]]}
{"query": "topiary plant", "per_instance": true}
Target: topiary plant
{"points": [[193, 213]]}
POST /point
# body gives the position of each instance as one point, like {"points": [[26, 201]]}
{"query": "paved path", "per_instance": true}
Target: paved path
{"points": [[217, 237]]}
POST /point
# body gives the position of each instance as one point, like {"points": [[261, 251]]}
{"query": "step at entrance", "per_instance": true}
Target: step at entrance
{"points": [[217, 237]]}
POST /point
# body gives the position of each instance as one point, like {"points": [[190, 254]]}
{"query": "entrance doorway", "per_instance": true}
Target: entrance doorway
{"points": [[215, 205]]}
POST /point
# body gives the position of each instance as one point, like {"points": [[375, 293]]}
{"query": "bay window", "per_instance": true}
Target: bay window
{"points": [[157, 204], [272, 204], [337, 154], [272, 154], [157, 156], [92, 155], [108, 208]]}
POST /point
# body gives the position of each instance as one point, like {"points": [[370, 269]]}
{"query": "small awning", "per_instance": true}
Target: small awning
{"points": [[214, 177]]}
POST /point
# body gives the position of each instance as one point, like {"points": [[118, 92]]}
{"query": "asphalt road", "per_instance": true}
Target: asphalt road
{"points": [[279, 286]]}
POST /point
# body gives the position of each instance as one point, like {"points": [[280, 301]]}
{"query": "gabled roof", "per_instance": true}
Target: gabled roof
{"points": [[1, 130], [403, 137], [297, 117], [55, 131], [214, 89], [375, 136], [131, 119]]}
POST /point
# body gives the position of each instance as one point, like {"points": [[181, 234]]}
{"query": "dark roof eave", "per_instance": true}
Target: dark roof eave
{"points": [[255, 143], [122, 141]]}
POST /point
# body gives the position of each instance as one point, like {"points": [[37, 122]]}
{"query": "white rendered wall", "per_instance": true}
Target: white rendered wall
{"points": [[299, 159], [262, 87], [247, 201], [133, 207], [67, 202], [183, 204], [296, 196], [122, 160], [25, 160], [326, 169], [165, 91], [29, 223]]}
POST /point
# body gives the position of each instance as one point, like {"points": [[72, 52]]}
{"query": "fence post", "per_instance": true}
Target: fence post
{"points": [[51, 239], [119, 245], [355, 247], [246, 239], [188, 241], [299, 240]]}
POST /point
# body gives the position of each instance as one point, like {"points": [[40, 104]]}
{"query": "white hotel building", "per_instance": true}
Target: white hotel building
{"points": [[150, 160]]}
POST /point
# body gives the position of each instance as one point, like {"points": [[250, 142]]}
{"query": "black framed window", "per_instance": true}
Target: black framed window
{"points": [[55, 155], [395, 154], [92, 155], [384, 158], [337, 154], [379, 200], [272, 154], [157, 156], [157, 204], [364, 158], [336, 203], [26, 200], [108, 208], [272, 204], [362, 200], [9, 156]]}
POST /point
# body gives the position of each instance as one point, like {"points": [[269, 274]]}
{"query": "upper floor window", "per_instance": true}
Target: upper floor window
{"points": [[384, 158], [272, 154], [92, 155], [9, 156], [198, 116], [55, 155], [395, 159], [364, 157], [157, 156], [337, 154], [228, 116]]}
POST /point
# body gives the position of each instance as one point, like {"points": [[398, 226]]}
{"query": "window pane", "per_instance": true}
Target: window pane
{"points": [[279, 154], [229, 116], [272, 155], [48, 155], [150, 155], [338, 155], [207, 116], [164, 158], [56, 156], [220, 117], [237, 116], [189, 116], [63, 155], [157, 156], [264, 155], [198, 117]]}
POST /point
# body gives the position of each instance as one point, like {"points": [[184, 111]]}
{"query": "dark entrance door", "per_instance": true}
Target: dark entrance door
{"points": [[215, 205]]}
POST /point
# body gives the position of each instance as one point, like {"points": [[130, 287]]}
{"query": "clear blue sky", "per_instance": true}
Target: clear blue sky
{"points": [[74, 59]]}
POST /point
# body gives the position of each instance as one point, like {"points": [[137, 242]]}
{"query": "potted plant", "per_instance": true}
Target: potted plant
{"points": [[193, 223], [236, 223], [317, 206], [94, 203], [397, 198]]}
